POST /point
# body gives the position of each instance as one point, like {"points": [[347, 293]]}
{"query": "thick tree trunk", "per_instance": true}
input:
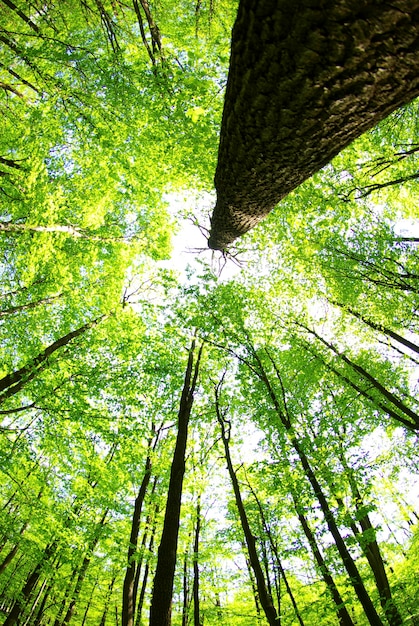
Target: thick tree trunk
{"points": [[161, 602], [305, 80]]}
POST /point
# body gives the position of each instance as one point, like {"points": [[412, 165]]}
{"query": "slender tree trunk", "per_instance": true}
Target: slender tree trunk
{"points": [[342, 612], [128, 595], [83, 570], [71, 231], [264, 597], [349, 563], [252, 583], [21, 602], [186, 599], [161, 602], [12, 383], [196, 611], [30, 305], [373, 399], [344, 553], [107, 602], [146, 571], [12, 553], [369, 546], [388, 395], [305, 80], [22, 15], [278, 561], [382, 329], [36, 619]]}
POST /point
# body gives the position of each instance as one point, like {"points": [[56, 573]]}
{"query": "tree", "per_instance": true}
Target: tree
{"points": [[303, 83], [110, 118], [161, 603]]}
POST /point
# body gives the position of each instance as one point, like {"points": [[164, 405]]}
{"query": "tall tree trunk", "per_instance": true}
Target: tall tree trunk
{"points": [[382, 329], [146, 570], [186, 599], [374, 383], [195, 591], [12, 383], [30, 305], [161, 602], [342, 612], [274, 550], [12, 553], [369, 546], [305, 80], [128, 594], [21, 602], [349, 563], [83, 569], [107, 602], [264, 597]]}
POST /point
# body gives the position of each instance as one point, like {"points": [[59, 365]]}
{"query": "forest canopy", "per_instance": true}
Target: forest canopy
{"points": [[232, 442]]}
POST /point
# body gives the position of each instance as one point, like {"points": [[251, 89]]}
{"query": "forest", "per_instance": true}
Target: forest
{"points": [[195, 437]]}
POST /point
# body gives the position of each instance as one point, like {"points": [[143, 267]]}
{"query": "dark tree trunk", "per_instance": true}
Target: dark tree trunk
{"points": [[20, 604], [83, 570], [30, 305], [379, 327], [128, 596], [373, 382], [161, 602], [186, 598], [12, 383], [350, 565], [264, 597], [342, 612], [281, 570], [107, 602], [195, 590], [305, 80], [369, 545]]}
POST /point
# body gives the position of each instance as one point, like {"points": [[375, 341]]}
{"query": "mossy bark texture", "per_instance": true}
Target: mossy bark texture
{"points": [[306, 78]]}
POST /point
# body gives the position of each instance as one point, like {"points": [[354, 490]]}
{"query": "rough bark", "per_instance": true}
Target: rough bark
{"points": [[305, 79]]}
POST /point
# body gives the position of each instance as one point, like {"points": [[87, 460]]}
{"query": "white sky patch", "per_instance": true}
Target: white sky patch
{"points": [[190, 242], [407, 228]]}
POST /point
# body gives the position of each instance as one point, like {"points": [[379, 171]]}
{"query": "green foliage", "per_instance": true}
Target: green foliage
{"points": [[98, 131]]}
